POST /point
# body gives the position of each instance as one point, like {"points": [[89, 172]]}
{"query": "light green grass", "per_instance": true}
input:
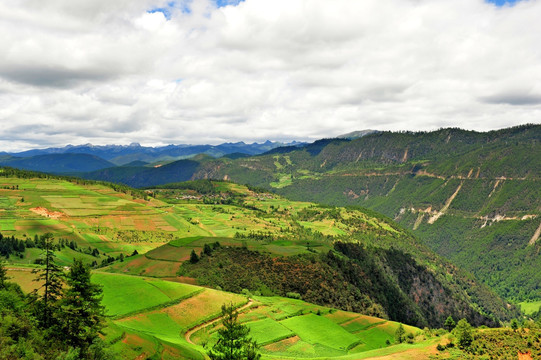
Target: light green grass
{"points": [[530, 307], [285, 180], [319, 330], [157, 324], [374, 338], [184, 241], [7, 224], [267, 331], [124, 294]]}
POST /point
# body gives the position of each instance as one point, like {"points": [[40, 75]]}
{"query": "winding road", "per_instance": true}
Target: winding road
{"points": [[190, 332]]}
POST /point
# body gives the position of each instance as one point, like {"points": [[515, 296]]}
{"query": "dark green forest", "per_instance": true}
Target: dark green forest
{"points": [[62, 320]]}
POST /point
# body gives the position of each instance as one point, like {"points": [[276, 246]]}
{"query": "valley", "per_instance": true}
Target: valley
{"points": [[140, 243], [169, 255], [471, 197]]}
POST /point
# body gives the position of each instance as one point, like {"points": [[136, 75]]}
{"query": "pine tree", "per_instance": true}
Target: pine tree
{"points": [[400, 334], [3, 275], [514, 325], [233, 341], [193, 257], [81, 306], [207, 250], [449, 323], [52, 278], [463, 333]]}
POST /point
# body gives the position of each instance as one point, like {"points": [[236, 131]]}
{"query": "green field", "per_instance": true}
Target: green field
{"points": [[268, 331], [285, 328], [151, 316], [315, 329], [124, 294], [530, 307]]}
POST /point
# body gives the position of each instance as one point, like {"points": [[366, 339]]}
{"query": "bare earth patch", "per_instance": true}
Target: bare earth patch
{"points": [[47, 213], [525, 356], [413, 354], [282, 345]]}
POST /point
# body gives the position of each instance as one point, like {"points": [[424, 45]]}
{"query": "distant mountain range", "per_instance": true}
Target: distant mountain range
{"points": [[125, 154], [56, 163]]}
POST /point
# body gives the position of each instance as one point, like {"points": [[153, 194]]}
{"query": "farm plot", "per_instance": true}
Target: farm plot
{"points": [[530, 307], [24, 277], [315, 329], [267, 331], [124, 294], [7, 224], [170, 253], [143, 266], [279, 308], [40, 226]]}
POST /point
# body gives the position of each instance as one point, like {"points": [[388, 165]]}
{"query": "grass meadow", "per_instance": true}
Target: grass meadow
{"points": [[530, 307]]}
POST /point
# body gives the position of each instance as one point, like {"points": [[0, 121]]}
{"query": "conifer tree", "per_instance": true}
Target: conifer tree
{"points": [[52, 278], [193, 257], [233, 341], [514, 325], [400, 334], [449, 323], [82, 311], [463, 332], [3, 275]]}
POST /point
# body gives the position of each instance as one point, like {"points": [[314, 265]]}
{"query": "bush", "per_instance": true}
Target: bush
{"points": [[293, 295]]}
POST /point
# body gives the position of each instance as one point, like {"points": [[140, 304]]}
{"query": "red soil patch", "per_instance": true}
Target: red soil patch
{"points": [[184, 280], [525, 356], [144, 224], [41, 228], [135, 340], [163, 268], [170, 352], [45, 212], [282, 345], [413, 354]]}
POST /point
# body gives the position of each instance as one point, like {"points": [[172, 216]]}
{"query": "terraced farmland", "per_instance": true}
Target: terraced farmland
{"points": [[95, 215], [124, 294], [147, 316]]}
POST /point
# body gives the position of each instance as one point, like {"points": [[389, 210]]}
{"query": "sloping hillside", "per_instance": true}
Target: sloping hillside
{"points": [[472, 197], [106, 225]]}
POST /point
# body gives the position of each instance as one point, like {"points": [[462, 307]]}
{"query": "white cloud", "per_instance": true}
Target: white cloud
{"points": [[105, 71]]}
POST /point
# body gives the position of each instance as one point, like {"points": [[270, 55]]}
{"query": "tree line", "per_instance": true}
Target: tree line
{"points": [[61, 319]]}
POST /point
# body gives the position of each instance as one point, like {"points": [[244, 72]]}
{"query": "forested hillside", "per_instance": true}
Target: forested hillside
{"points": [[473, 197]]}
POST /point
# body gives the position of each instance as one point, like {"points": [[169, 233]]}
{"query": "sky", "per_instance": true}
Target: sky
{"points": [[205, 72]]}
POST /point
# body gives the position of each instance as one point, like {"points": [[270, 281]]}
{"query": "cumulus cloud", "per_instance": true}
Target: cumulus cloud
{"points": [[199, 71]]}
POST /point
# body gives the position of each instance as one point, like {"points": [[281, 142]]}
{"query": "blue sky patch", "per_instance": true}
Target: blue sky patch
{"points": [[222, 3], [168, 9], [503, 2], [184, 6]]}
